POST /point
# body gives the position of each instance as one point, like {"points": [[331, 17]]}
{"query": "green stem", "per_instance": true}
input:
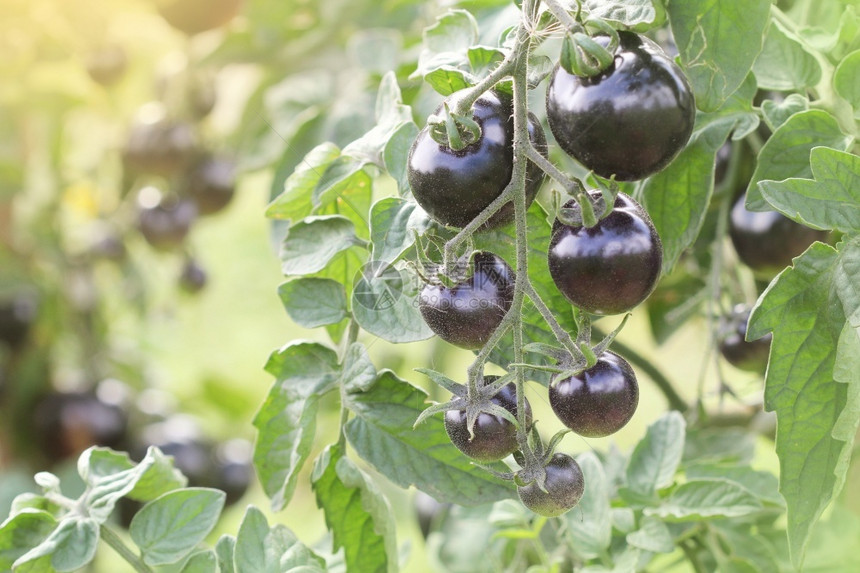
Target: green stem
{"points": [[676, 402], [573, 186], [466, 232], [693, 558], [561, 14], [465, 100], [111, 538], [560, 333], [351, 337]]}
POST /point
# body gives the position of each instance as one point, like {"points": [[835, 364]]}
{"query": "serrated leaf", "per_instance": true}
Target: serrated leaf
{"points": [[167, 528], [786, 153], [262, 549], [381, 433], [356, 512], [718, 41], [71, 545], [202, 562], [706, 499], [627, 13], [783, 63], [295, 201], [655, 459], [312, 243], [484, 58], [443, 59], [447, 79], [589, 529], [385, 303], [806, 308], [22, 532], [224, 550], [846, 80], [286, 422], [453, 31], [831, 201], [652, 536], [764, 485], [394, 224], [359, 373], [314, 302], [777, 112]]}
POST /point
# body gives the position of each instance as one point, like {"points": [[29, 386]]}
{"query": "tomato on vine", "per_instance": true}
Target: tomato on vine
{"points": [[564, 486], [630, 120], [455, 186]]}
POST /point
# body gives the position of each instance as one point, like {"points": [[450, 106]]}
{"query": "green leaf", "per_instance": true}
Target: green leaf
{"points": [[286, 421], [167, 528], [295, 201], [394, 224], [356, 513], [262, 549], [359, 373], [312, 243], [786, 153], [846, 80], [845, 371], [737, 565], [22, 532], [783, 63], [806, 307], [655, 459], [313, 302], [777, 112], [396, 153], [722, 445], [444, 55], [589, 529], [764, 485], [831, 201], [706, 499], [623, 13], [483, 59], [381, 433], [202, 562], [448, 79], [652, 536], [70, 546], [376, 50], [225, 549], [718, 41], [384, 303], [677, 198]]}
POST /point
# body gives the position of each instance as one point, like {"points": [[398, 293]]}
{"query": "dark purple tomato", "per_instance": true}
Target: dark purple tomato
{"points": [[455, 186], [611, 267], [193, 277], [211, 183], [195, 16], [17, 315], [494, 437], [467, 314], [67, 423], [165, 225], [767, 241], [564, 484], [107, 65], [163, 148], [599, 401], [629, 121], [747, 355]]}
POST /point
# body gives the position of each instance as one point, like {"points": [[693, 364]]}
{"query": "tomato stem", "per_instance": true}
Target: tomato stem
{"points": [[110, 537]]}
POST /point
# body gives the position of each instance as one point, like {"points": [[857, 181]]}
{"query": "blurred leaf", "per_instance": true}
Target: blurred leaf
{"points": [[783, 63], [652, 535], [295, 201], [705, 499], [169, 527], [718, 41], [377, 51], [444, 56], [381, 433], [312, 243], [313, 302], [589, 529], [224, 549], [394, 224], [656, 457], [846, 80], [262, 549], [202, 562], [357, 514], [286, 421], [22, 532], [831, 201], [624, 13], [674, 301], [719, 445], [396, 153], [764, 485], [786, 153], [70, 546]]}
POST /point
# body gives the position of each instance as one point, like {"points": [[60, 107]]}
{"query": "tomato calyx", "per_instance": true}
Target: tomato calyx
{"points": [[453, 130]]}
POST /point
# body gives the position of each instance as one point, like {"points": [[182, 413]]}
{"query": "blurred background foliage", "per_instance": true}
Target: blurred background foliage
{"points": [[114, 300]]}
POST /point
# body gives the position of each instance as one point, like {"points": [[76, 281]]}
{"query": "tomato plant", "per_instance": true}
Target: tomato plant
{"points": [[540, 183]]}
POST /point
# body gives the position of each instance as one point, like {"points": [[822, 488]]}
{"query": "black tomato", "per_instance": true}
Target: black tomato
{"points": [[467, 314], [564, 484], [67, 423], [195, 16], [455, 186], [494, 436], [629, 121], [747, 355], [211, 183], [611, 267], [599, 401], [165, 225], [17, 315], [160, 148], [193, 277], [767, 241]]}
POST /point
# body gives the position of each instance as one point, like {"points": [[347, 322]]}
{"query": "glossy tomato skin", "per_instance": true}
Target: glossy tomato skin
{"points": [[767, 241], [564, 484], [495, 437], [629, 121], [599, 401], [467, 314], [747, 355], [455, 186], [611, 267]]}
